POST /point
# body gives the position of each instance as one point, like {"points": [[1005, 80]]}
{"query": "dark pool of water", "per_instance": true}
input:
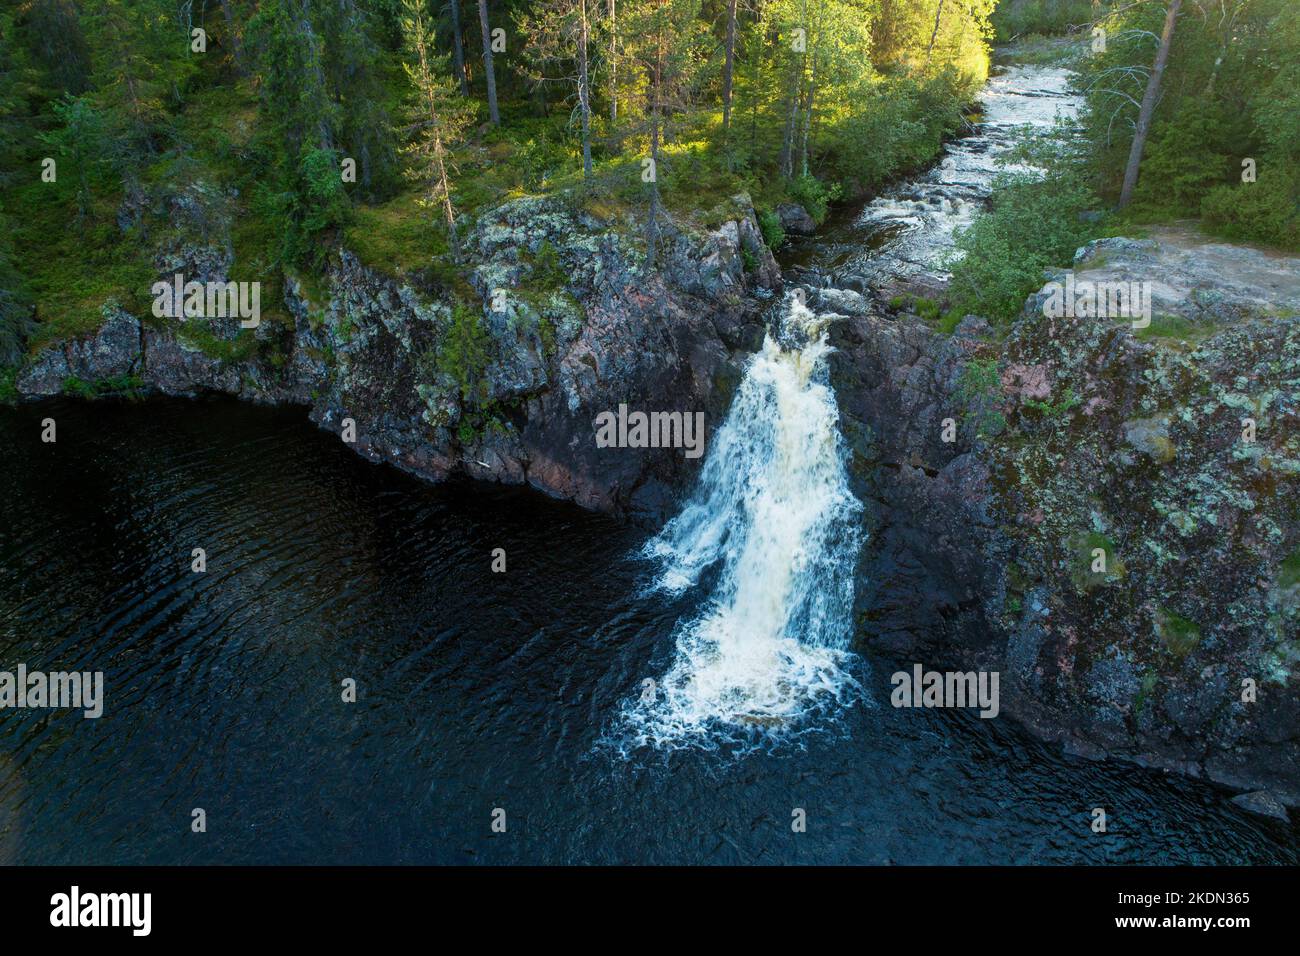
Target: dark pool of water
{"points": [[477, 690]]}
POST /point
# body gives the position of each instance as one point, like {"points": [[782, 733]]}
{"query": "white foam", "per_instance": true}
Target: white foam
{"points": [[774, 513]]}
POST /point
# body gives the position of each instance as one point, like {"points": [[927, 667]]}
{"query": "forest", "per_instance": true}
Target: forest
{"points": [[387, 126]]}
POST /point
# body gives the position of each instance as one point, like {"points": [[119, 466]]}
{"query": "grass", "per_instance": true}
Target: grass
{"points": [[243, 346], [399, 235], [1173, 329], [120, 385], [1177, 633], [78, 269]]}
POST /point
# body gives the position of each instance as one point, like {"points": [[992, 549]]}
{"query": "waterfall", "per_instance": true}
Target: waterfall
{"points": [[773, 514]]}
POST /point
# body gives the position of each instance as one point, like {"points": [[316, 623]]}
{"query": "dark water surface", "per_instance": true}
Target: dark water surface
{"points": [[477, 690]]}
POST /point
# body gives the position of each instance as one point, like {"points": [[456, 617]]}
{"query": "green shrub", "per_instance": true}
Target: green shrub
{"points": [[1014, 18], [1267, 210], [814, 195], [8, 385], [769, 223], [979, 387], [465, 352], [1032, 224], [128, 385]]}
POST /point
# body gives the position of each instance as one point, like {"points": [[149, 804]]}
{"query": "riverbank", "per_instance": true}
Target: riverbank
{"points": [[1033, 484], [1109, 517]]}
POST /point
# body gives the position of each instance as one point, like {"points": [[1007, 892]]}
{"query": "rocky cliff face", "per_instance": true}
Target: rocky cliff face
{"points": [[561, 321], [1109, 517], [1115, 522]]}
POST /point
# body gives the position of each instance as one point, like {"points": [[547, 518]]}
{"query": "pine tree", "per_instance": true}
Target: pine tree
{"points": [[559, 33], [488, 70], [438, 117], [729, 65], [664, 43], [458, 46], [1148, 106], [350, 58], [141, 57], [60, 44], [611, 29]]}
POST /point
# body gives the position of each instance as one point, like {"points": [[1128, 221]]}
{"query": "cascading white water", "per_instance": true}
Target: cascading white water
{"points": [[773, 511]]}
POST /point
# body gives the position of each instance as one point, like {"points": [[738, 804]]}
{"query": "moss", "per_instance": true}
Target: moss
{"points": [[464, 352], [1145, 692], [239, 349], [72, 271], [128, 385], [546, 331], [1179, 635], [1288, 575], [1175, 330], [1084, 558], [397, 236]]}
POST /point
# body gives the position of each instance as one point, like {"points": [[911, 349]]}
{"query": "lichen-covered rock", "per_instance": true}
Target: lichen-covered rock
{"points": [[563, 321], [113, 352], [1264, 803], [1116, 525]]}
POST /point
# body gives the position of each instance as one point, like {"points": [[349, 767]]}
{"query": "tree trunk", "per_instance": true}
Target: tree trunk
{"points": [[728, 66], [753, 97], [794, 98], [652, 234], [934, 33], [236, 48], [613, 66], [458, 48], [1148, 106], [493, 113], [439, 152], [584, 91], [787, 138], [807, 117]]}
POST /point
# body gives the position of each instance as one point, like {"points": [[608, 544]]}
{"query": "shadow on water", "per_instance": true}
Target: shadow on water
{"points": [[476, 690]]}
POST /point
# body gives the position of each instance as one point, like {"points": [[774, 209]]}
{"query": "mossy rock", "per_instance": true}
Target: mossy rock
{"points": [[1090, 569], [1288, 573], [1178, 634]]}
